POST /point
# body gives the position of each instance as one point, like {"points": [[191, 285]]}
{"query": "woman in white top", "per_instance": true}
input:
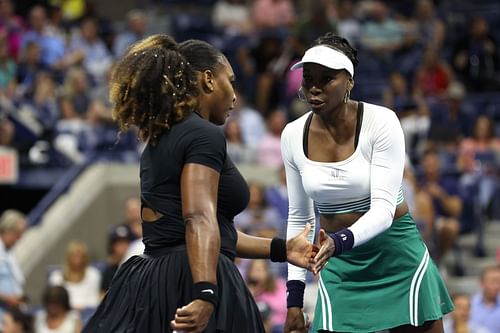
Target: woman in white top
{"points": [[346, 158], [80, 279], [57, 316]]}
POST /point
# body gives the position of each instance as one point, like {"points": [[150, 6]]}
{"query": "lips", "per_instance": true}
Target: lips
{"points": [[316, 103]]}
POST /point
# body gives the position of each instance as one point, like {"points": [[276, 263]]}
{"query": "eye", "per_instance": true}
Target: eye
{"points": [[307, 79], [328, 78]]}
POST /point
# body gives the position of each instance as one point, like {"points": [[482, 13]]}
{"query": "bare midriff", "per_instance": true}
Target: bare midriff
{"points": [[336, 222]]}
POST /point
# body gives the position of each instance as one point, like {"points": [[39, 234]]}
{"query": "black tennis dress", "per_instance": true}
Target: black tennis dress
{"points": [[147, 289]]}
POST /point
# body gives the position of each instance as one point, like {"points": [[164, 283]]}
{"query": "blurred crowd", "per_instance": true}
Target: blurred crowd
{"points": [[435, 63], [75, 286]]}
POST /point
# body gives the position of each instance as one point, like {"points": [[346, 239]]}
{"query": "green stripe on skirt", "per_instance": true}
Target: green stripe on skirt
{"points": [[387, 282]]}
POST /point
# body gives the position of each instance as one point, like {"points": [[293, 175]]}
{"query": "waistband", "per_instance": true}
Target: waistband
{"points": [[162, 251], [159, 252]]}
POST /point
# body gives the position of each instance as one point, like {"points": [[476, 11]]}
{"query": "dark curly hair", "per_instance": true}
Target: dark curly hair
{"points": [[152, 87], [339, 43]]}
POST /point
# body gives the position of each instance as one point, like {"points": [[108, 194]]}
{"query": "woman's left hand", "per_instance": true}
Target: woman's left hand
{"points": [[193, 317], [326, 250], [299, 251]]}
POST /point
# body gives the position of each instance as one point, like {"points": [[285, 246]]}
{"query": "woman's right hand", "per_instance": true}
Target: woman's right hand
{"points": [[326, 250], [295, 321], [192, 318], [299, 251]]}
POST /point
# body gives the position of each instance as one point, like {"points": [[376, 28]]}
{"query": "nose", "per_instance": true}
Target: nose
{"points": [[234, 101], [314, 90]]}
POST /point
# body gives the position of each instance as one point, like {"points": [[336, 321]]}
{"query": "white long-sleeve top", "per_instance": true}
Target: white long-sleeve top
{"points": [[368, 181]]}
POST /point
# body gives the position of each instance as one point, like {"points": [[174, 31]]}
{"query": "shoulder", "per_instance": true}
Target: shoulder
{"points": [[195, 126], [378, 118], [378, 112], [56, 277], [40, 317], [192, 131], [476, 299], [92, 273]]}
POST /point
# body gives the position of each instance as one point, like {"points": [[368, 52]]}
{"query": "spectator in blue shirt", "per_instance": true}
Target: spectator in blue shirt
{"points": [[89, 48], [12, 226], [51, 44], [135, 31], [485, 305], [459, 320]]}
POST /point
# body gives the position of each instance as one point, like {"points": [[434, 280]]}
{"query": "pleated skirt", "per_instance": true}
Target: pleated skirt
{"points": [[387, 282], [147, 290]]}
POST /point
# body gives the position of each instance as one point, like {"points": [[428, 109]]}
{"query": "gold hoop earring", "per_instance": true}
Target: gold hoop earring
{"points": [[347, 96]]}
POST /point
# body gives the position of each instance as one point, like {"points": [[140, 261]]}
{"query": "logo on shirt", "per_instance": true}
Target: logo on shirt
{"points": [[337, 174]]}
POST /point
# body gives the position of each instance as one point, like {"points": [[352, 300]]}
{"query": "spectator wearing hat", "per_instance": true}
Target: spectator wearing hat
{"points": [[118, 243], [133, 220]]}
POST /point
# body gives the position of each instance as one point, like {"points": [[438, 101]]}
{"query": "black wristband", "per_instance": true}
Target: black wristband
{"points": [[343, 239], [206, 291], [278, 250], [295, 294]]}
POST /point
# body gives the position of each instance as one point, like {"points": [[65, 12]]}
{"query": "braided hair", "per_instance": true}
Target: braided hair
{"points": [[339, 43], [152, 87], [201, 55]]}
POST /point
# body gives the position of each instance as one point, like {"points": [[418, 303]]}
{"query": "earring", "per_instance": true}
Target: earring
{"points": [[301, 95], [346, 96]]}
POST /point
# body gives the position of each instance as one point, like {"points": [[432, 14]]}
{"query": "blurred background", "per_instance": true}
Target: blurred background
{"points": [[69, 182]]}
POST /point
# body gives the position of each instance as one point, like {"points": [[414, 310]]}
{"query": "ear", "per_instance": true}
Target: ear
{"points": [[207, 81], [350, 84]]}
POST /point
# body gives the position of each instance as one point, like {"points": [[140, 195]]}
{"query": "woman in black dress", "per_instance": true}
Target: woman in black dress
{"points": [[186, 279]]}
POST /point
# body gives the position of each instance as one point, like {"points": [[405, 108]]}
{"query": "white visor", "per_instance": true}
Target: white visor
{"points": [[326, 56]]}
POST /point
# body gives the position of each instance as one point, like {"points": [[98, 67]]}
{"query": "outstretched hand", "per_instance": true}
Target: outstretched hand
{"points": [[326, 250], [300, 252], [192, 318]]}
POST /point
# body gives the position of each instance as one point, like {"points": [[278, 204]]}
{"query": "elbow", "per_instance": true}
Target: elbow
{"points": [[201, 221], [388, 217]]}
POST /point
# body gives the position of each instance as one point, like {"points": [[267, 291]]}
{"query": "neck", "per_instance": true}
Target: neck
{"points": [[340, 121], [56, 315], [432, 176], [490, 301], [5, 243], [202, 110]]}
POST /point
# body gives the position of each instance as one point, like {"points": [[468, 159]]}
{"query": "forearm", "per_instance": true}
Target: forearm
{"points": [[253, 247], [203, 248]]}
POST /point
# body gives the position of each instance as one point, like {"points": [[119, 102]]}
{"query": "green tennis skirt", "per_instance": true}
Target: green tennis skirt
{"points": [[387, 282]]}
